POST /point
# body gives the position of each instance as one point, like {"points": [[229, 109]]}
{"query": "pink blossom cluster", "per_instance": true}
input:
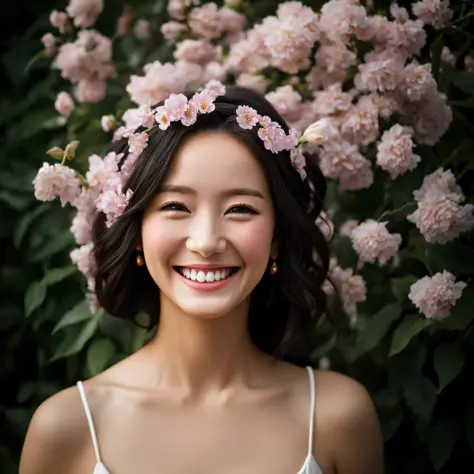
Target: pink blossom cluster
{"points": [[283, 41], [395, 151], [87, 62], [372, 241], [85, 12], [161, 80], [441, 216], [433, 12], [350, 287], [435, 296], [208, 21]]}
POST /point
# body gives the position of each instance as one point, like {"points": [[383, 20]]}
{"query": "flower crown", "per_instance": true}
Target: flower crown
{"points": [[112, 201]]}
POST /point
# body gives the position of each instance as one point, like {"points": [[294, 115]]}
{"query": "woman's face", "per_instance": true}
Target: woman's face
{"points": [[207, 236]]}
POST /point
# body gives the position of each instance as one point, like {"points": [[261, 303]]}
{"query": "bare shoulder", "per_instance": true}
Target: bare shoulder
{"points": [[56, 435], [346, 418]]}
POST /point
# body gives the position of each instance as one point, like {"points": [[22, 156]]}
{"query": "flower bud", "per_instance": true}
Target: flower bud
{"points": [[70, 151], [108, 123], [56, 152], [317, 132]]}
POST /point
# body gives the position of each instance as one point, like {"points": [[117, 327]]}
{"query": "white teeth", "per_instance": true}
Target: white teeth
{"points": [[202, 276]]}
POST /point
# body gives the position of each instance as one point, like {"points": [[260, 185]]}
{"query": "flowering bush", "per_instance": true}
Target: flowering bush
{"points": [[392, 89]]}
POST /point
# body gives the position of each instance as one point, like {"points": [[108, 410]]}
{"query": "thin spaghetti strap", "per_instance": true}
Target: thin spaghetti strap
{"points": [[80, 386], [311, 419]]}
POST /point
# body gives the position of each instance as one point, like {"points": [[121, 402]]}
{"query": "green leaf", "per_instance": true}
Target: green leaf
{"points": [[34, 297], [26, 221], [401, 286], [68, 348], [55, 275], [420, 395], [409, 327], [448, 361], [390, 422], [463, 80], [60, 242], [441, 440], [462, 314], [455, 257], [99, 355], [79, 313], [435, 52], [376, 328]]}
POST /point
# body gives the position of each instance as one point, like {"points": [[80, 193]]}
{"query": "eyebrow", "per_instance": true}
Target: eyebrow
{"points": [[171, 188]]}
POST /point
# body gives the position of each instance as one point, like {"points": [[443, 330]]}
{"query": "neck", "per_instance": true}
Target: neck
{"points": [[200, 354]]}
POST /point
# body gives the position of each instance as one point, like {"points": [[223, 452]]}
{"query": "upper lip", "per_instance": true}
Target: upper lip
{"points": [[207, 266]]}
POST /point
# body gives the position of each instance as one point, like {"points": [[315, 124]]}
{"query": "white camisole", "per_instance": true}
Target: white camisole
{"points": [[310, 465]]}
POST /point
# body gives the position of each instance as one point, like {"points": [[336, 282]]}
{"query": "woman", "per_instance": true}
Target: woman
{"points": [[219, 246]]}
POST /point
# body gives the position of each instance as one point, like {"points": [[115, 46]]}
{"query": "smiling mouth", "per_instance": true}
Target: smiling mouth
{"points": [[206, 276]]}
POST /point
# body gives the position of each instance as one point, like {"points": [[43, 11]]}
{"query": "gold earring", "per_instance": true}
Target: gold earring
{"points": [[274, 268], [140, 260]]}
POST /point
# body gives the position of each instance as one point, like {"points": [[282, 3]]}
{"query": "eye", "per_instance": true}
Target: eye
{"points": [[174, 207], [242, 209]]}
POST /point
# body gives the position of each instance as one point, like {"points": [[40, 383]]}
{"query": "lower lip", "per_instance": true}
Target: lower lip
{"points": [[215, 285]]}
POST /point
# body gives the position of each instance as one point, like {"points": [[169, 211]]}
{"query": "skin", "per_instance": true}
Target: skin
{"points": [[201, 397]]}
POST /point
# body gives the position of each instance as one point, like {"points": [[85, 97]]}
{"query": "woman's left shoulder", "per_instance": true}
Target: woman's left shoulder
{"points": [[346, 418]]}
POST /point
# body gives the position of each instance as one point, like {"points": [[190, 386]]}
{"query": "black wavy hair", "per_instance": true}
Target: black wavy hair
{"points": [[286, 307]]}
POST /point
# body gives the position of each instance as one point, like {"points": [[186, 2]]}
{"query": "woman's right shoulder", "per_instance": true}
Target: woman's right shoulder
{"points": [[56, 435]]}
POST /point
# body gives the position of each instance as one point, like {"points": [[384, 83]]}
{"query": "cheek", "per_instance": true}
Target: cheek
{"points": [[159, 239], [254, 242]]}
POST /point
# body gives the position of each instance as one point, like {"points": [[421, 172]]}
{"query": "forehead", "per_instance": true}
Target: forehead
{"points": [[216, 159]]}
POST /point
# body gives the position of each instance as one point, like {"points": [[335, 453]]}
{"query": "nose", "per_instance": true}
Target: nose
{"points": [[205, 236]]}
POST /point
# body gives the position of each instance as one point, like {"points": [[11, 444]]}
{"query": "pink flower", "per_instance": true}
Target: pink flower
{"points": [[352, 288], [58, 20], [287, 101], [196, 51], [433, 12], [247, 117], [395, 151], [162, 117], [298, 161], [64, 104], [175, 106], [435, 296], [113, 204], [214, 70], [49, 43], [372, 241], [417, 81], [231, 21], [159, 81], [190, 114], [441, 218], [138, 142], [176, 8], [204, 101], [255, 82], [57, 181], [332, 100], [342, 161], [335, 57], [82, 257], [205, 21], [215, 87], [290, 36], [361, 123], [91, 90], [84, 12], [89, 57], [439, 182], [101, 170], [379, 76], [172, 30], [81, 228]]}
